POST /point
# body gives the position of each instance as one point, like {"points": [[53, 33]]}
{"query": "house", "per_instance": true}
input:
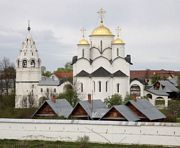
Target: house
{"points": [[88, 109], [145, 110], [54, 108], [120, 113]]}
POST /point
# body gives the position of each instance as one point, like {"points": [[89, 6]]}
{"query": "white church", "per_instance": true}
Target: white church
{"points": [[31, 87], [101, 67]]}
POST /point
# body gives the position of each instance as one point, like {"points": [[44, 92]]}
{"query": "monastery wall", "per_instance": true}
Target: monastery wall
{"points": [[98, 131]]}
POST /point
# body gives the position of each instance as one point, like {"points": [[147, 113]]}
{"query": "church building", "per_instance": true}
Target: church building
{"points": [[32, 89], [101, 67]]}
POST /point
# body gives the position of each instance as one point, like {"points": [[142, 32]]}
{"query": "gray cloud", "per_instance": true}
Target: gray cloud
{"points": [[150, 28]]}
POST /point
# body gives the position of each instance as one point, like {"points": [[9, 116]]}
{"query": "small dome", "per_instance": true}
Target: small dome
{"points": [[83, 42], [118, 41], [101, 31]]}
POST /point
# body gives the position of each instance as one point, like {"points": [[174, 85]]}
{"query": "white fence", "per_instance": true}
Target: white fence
{"points": [[98, 131]]}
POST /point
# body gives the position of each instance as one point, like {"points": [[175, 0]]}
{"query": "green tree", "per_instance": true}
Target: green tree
{"points": [[155, 78], [127, 98], [70, 95], [115, 99], [47, 73]]}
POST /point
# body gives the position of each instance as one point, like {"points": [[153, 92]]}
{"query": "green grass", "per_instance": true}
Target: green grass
{"points": [[60, 144]]}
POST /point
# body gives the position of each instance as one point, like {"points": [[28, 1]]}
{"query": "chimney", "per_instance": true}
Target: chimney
{"points": [[89, 98], [53, 99]]}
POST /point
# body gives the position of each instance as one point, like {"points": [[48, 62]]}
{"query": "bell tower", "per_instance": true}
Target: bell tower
{"points": [[28, 73]]}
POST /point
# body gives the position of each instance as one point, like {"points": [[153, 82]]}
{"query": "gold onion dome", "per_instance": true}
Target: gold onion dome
{"points": [[101, 31], [83, 42], [118, 41]]}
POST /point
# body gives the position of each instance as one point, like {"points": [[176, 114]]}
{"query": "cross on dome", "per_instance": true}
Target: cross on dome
{"points": [[118, 30], [29, 28], [83, 30], [101, 13]]}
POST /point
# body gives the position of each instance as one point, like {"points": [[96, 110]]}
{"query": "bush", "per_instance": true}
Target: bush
{"points": [[83, 141]]}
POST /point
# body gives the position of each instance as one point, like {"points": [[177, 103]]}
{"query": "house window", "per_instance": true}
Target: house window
{"points": [[106, 86], [99, 86], [117, 51], [118, 85], [55, 90], [41, 90], [81, 87], [47, 90], [83, 53]]}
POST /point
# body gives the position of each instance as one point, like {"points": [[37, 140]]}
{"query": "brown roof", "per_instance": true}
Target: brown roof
{"points": [[148, 73], [62, 74]]}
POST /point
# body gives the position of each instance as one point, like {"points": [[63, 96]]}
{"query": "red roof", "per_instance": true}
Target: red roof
{"points": [[148, 73], [63, 74]]}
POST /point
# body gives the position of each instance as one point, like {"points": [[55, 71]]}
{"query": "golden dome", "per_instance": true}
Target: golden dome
{"points": [[101, 31], [118, 41], [83, 42]]}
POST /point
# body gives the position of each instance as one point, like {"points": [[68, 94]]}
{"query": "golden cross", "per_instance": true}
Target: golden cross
{"points": [[118, 30], [101, 13], [83, 31]]}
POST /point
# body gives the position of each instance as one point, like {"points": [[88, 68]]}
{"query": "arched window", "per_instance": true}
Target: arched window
{"points": [[106, 86], [32, 63], [117, 51], [81, 87], [24, 64], [118, 86], [83, 53], [41, 89], [94, 85], [99, 86], [135, 90]]}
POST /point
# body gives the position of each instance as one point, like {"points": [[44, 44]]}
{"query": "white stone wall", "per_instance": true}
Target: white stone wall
{"points": [[115, 132]]}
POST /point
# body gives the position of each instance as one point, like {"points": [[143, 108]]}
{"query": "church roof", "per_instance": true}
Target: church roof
{"points": [[119, 74], [101, 72], [83, 74]]}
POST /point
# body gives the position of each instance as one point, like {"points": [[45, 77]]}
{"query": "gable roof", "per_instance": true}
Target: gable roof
{"points": [[101, 72], [45, 81], [61, 107], [146, 108], [119, 74], [94, 109], [83, 74]]}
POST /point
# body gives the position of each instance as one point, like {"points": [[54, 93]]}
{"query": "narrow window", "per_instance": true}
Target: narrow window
{"points": [[101, 45], [55, 90], [118, 87], [99, 86], [32, 63], [41, 90], [106, 86], [117, 51], [83, 53], [47, 90], [81, 87], [18, 63], [94, 86]]}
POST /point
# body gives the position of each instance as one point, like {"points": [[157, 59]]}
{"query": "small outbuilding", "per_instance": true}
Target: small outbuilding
{"points": [[120, 113], [145, 110], [54, 108]]}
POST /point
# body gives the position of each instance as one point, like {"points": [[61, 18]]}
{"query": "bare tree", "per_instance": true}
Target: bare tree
{"points": [[7, 75]]}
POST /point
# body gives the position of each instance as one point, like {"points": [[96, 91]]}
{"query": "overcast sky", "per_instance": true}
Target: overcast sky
{"points": [[150, 28]]}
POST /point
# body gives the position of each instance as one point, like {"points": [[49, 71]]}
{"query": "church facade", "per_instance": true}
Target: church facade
{"points": [[101, 67]]}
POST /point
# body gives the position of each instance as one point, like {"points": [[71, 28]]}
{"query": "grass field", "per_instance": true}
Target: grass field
{"points": [[59, 144]]}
